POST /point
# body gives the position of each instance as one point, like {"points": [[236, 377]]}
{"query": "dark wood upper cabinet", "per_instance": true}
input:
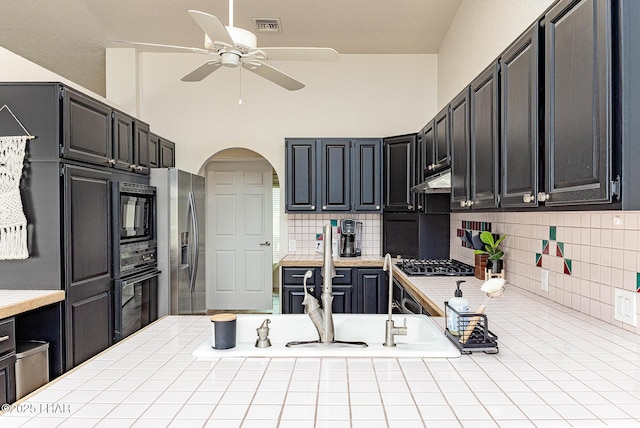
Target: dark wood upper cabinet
{"points": [[484, 139], [141, 148], [367, 175], [459, 117], [399, 168], [166, 154], [301, 160], [520, 121], [335, 174], [154, 150], [428, 151], [122, 140], [86, 128], [442, 139], [578, 109]]}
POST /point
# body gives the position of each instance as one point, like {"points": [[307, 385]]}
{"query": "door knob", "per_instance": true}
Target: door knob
{"points": [[265, 243]]}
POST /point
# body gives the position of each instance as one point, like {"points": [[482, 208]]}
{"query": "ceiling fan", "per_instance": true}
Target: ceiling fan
{"points": [[232, 47]]}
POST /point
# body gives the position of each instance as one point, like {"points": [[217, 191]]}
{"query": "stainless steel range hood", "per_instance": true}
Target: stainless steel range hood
{"points": [[437, 183]]}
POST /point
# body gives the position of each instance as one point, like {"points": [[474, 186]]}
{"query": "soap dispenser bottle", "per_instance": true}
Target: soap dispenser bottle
{"points": [[460, 305]]}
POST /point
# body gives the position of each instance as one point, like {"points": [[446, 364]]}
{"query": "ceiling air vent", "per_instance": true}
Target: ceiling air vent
{"points": [[267, 25]]}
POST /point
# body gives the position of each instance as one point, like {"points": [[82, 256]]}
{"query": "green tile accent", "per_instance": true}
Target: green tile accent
{"points": [[560, 249], [538, 260], [545, 246], [318, 236], [567, 266], [552, 233], [638, 282], [334, 222]]}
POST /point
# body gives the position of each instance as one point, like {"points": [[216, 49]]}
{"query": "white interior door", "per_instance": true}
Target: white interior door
{"points": [[239, 233]]}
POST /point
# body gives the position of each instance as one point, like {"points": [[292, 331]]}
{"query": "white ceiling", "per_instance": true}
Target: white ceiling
{"points": [[69, 37]]}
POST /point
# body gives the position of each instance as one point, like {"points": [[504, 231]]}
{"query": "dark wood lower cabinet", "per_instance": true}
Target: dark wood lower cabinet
{"points": [[373, 291], [90, 326], [355, 290], [88, 267], [8, 379]]}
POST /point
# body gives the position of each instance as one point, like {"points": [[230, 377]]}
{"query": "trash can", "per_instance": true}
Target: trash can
{"points": [[32, 366]]}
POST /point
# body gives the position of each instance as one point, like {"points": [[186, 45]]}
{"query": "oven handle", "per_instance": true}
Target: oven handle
{"points": [[139, 278], [405, 307]]}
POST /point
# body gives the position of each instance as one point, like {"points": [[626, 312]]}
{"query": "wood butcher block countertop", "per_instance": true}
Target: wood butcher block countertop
{"points": [[14, 302], [315, 260]]}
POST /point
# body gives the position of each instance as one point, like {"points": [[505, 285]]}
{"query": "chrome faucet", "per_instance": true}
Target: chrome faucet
{"points": [[322, 318], [391, 330]]}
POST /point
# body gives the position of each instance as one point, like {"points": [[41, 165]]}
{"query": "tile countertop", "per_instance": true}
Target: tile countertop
{"points": [[14, 302], [556, 367]]}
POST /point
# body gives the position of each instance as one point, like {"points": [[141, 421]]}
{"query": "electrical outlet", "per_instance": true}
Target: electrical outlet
{"points": [[544, 281], [624, 306], [292, 245]]}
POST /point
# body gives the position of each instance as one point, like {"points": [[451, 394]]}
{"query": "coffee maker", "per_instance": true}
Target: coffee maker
{"points": [[350, 238]]}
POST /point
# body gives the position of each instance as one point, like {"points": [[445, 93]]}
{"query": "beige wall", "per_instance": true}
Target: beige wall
{"points": [[480, 31], [359, 96]]}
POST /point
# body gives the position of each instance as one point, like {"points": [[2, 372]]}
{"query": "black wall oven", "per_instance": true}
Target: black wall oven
{"points": [[136, 262], [135, 216]]}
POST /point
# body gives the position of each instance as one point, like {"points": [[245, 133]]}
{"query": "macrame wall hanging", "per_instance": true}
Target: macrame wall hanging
{"points": [[13, 223]]}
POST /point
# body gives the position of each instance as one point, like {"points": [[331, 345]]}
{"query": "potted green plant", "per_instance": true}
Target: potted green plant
{"points": [[492, 250]]}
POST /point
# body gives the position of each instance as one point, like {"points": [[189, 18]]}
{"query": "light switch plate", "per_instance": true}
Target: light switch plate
{"points": [[624, 308], [292, 245]]}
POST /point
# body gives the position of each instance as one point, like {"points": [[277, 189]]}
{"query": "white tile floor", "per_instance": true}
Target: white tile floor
{"points": [[586, 373]]}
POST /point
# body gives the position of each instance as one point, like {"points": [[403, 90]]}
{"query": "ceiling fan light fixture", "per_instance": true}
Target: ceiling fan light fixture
{"points": [[229, 59]]}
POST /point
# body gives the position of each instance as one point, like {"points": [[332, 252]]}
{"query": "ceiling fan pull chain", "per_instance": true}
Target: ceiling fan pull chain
{"points": [[240, 84]]}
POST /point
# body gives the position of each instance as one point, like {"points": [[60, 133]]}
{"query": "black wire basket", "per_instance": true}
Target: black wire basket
{"points": [[467, 339]]}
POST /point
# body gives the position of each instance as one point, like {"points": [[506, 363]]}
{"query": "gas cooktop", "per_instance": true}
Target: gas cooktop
{"points": [[435, 267]]}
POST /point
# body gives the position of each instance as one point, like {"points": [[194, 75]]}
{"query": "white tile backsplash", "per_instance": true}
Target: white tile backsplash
{"points": [[304, 227], [603, 248]]}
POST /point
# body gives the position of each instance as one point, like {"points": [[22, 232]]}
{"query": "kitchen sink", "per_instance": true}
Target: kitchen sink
{"points": [[424, 339]]}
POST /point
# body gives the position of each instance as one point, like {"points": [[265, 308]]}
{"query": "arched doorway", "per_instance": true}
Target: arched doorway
{"points": [[241, 213]]}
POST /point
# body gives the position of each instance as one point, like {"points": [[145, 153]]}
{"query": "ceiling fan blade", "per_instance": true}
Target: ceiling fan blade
{"points": [[154, 47], [301, 54], [201, 72], [213, 27], [274, 75]]}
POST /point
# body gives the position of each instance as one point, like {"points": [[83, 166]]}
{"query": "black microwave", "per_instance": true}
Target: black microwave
{"points": [[135, 216]]}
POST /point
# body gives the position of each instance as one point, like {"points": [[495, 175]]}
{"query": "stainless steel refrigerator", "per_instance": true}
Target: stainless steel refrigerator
{"points": [[181, 247]]}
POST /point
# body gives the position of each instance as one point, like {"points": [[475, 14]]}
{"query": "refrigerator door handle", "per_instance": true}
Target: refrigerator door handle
{"points": [[195, 242]]}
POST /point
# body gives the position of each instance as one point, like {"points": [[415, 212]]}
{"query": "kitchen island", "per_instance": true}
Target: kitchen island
{"points": [[555, 367]]}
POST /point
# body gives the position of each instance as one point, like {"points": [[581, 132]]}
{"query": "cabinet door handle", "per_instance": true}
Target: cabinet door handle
{"points": [[111, 161], [324, 207], [297, 276], [410, 207], [463, 204], [542, 197], [339, 276], [133, 166], [470, 203], [266, 244], [528, 198], [419, 207], [313, 207], [4, 338], [377, 207], [311, 289]]}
